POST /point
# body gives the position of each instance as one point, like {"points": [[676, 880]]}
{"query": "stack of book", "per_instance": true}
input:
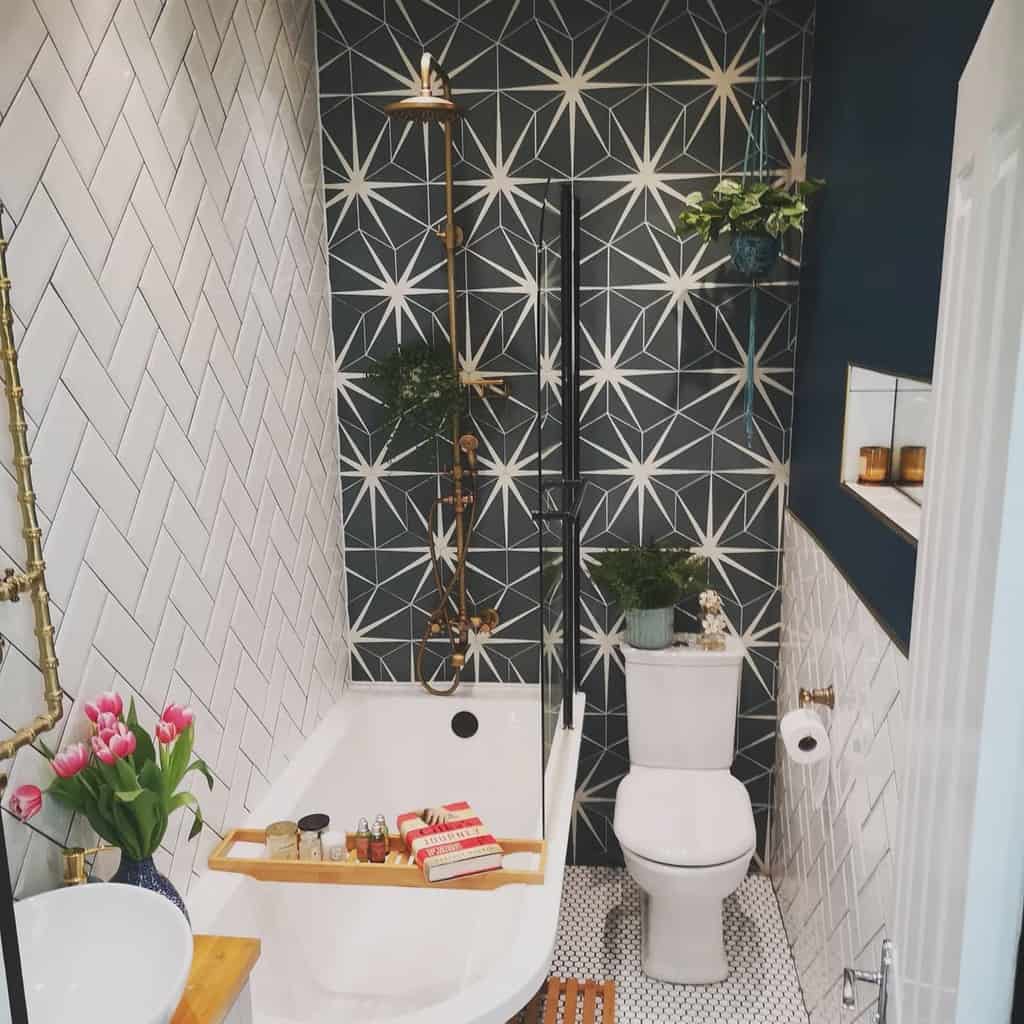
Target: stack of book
{"points": [[449, 842]]}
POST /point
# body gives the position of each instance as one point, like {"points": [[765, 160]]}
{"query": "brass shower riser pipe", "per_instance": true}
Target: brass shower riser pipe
{"points": [[33, 579], [450, 617]]}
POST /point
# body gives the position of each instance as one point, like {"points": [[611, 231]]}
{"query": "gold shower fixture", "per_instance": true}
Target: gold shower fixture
{"points": [[32, 580], [450, 617]]}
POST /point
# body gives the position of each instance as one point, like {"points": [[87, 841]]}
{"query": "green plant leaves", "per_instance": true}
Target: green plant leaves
{"points": [[128, 803], [649, 576], [185, 799], [417, 384], [758, 208], [199, 765], [728, 187]]}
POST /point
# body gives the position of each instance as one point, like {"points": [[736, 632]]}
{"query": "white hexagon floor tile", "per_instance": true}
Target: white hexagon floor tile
{"points": [[599, 937]]}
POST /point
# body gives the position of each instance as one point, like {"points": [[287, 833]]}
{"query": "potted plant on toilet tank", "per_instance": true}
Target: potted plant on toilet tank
{"points": [[757, 214], [647, 582], [125, 782]]}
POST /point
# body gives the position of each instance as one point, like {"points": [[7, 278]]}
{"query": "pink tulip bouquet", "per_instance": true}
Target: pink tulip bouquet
{"points": [[124, 783]]}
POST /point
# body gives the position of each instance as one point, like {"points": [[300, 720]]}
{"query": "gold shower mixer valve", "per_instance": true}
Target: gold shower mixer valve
{"points": [[465, 500], [14, 584], [485, 387], [442, 233], [468, 445], [486, 621]]}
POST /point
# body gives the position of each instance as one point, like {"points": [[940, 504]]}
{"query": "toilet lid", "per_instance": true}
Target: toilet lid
{"points": [[684, 818]]}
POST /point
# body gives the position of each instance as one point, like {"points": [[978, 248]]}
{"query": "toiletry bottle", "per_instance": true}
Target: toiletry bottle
{"points": [[378, 843], [363, 840]]}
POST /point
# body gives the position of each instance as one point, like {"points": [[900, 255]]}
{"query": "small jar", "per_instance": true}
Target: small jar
{"points": [[363, 840], [311, 828], [334, 847], [282, 841]]}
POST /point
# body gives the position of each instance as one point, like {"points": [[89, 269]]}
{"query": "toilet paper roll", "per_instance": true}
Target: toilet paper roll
{"points": [[805, 737]]}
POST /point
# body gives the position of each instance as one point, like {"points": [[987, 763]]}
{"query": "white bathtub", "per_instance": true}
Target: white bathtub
{"points": [[336, 953]]}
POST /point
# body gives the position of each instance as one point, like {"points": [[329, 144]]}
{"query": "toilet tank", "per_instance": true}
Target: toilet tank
{"points": [[681, 706]]}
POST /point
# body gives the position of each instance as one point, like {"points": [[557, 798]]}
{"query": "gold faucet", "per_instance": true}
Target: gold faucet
{"points": [[75, 872]]}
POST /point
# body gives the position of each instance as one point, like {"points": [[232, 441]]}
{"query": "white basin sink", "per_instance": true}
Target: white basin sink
{"points": [[103, 954]]}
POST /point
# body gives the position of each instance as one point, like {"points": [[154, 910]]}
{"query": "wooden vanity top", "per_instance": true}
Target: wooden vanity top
{"points": [[220, 968]]}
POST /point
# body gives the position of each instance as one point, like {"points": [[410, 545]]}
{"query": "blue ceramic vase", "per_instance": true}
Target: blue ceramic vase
{"points": [[754, 255], [144, 873]]}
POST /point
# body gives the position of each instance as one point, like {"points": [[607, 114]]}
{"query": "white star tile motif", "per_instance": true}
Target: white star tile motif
{"points": [[635, 103]]}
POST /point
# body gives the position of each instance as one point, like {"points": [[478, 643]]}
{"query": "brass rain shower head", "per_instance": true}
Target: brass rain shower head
{"points": [[427, 108]]}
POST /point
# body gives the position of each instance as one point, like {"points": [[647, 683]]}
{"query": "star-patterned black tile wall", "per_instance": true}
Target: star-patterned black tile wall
{"points": [[637, 102]]}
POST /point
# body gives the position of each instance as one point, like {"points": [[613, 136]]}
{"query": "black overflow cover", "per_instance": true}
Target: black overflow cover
{"points": [[464, 724]]}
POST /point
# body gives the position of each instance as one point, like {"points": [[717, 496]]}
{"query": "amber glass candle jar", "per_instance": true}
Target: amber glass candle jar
{"points": [[912, 464], [874, 464]]}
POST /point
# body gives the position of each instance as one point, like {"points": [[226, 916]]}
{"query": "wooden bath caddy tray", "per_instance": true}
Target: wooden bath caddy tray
{"points": [[399, 869]]}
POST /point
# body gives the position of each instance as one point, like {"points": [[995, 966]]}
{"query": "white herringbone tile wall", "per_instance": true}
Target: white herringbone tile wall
{"points": [[161, 163], [833, 867]]}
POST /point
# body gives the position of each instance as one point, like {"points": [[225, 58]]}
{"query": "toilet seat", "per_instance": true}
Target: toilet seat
{"points": [[687, 819]]}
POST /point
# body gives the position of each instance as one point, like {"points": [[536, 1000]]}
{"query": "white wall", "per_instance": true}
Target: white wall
{"points": [[833, 867], [161, 161]]}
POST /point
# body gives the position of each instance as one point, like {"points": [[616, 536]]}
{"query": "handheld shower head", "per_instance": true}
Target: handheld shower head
{"points": [[427, 108]]}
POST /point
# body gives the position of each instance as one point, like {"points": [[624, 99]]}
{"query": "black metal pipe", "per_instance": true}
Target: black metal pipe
{"points": [[9, 937]]}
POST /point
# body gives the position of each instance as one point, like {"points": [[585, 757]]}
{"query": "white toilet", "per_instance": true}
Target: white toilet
{"points": [[685, 825]]}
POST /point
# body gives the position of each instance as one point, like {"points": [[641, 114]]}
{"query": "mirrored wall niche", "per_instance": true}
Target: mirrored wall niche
{"points": [[885, 445]]}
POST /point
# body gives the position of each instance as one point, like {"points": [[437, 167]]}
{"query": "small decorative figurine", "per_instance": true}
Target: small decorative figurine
{"points": [[713, 622]]}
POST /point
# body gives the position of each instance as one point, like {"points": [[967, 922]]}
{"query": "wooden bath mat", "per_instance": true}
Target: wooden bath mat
{"points": [[570, 1001]]}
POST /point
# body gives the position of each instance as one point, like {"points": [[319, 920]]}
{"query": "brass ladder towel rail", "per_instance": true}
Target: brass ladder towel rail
{"points": [[33, 579]]}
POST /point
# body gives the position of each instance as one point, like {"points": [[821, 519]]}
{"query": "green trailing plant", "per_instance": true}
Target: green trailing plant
{"points": [[417, 386], [649, 576], [756, 209]]}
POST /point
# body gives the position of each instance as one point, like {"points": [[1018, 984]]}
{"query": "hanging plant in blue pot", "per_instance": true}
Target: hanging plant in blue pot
{"points": [[757, 215]]}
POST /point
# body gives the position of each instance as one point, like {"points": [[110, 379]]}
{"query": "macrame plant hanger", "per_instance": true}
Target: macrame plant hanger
{"points": [[755, 153]]}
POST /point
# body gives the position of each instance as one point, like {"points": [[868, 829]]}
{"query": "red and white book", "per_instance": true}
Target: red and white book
{"points": [[449, 842]]}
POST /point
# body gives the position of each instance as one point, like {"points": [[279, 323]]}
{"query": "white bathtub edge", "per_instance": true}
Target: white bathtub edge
{"points": [[499, 996]]}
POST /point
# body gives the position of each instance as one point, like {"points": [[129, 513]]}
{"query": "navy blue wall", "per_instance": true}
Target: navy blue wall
{"points": [[882, 114]]}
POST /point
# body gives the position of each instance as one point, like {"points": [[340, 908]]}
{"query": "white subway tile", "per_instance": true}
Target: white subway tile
{"points": [[24, 34], [109, 79], [125, 262], [105, 479], [170, 231], [87, 380], [43, 351], [27, 135], [36, 246], [86, 302]]}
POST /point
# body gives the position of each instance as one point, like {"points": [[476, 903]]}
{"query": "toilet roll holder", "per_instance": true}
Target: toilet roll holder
{"points": [[826, 696]]}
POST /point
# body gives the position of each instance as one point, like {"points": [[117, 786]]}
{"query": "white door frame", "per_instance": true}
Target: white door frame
{"points": [[960, 867]]}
